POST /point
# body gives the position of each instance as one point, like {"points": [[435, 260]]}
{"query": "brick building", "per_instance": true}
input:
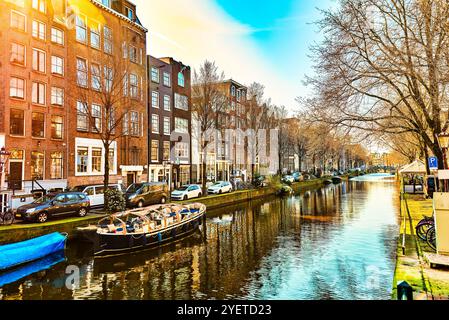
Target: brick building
{"points": [[169, 113], [52, 55]]}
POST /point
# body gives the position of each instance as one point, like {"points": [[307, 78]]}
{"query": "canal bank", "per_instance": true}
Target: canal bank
{"points": [[411, 266], [21, 232]]}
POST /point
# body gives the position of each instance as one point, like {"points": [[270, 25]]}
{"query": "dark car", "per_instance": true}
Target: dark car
{"points": [[54, 205], [432, 185], [142, 194]]}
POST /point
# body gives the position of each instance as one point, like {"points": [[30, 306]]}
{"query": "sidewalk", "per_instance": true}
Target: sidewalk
{"points": [[429, 284]]}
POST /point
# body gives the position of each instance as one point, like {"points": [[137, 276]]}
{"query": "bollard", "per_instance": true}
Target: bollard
{"points": [[405, 291]]}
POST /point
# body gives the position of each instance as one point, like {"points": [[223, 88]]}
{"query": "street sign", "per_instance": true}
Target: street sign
{"points": [[433, 163]]}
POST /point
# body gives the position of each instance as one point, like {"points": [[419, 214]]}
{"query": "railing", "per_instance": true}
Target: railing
{"points": [[28, 186]]}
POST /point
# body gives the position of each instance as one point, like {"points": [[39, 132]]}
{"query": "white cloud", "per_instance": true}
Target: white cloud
{"points": [[192, 31]]}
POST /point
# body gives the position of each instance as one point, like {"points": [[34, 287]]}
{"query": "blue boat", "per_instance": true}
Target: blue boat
{"points": [[15, 254], [21, 272]]}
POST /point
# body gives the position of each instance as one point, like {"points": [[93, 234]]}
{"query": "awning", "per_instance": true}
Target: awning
{"points": [[416, 167]]}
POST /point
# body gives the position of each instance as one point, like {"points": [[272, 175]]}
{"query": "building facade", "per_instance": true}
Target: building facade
{"points": [[169, 113], [57, 62]]}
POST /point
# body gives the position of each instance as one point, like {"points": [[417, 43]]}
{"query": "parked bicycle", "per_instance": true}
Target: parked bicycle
{"points": [[7, 218], [423, 227], [431, 238]]}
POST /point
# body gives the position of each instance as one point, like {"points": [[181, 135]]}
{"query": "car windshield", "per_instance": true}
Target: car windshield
{"points": [[217, 184], [134, 188], [44, 199], [78, 189], [183, 188]]}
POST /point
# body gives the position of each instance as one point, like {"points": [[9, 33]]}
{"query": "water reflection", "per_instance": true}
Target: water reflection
{"points": [[334, 243]]}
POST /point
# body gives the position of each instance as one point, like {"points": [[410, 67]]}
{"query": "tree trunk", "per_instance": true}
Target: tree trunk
{"points": [[203, 181]]}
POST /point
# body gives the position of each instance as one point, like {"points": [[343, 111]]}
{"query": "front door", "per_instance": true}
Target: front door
{"points": [[15, 175], [130, 178]]}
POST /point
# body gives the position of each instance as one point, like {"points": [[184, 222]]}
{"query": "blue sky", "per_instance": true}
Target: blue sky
{"points": [[265, 41]]}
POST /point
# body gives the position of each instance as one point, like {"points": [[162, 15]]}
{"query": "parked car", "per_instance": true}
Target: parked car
{"points": [[187, 192], [96, 192], [54, 205], [220, 187], [432, 185], [297, 176], [288, 179], [143, 194], [261, 181]]}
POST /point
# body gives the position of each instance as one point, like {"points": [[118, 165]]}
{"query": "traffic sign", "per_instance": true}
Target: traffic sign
{"points": [[433, 163]]}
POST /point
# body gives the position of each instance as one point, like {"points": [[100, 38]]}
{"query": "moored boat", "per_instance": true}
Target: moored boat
{"points": [[327, 181], [147, 227], [15, 254], [336, 180]]}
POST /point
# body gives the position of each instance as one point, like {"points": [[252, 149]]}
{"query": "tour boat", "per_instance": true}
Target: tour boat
{"points": [[147, 227], [16, 254]]}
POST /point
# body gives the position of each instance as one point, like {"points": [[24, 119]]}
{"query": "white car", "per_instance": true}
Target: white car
{"points": [[220, 187], [187, 192], [290, 179]]}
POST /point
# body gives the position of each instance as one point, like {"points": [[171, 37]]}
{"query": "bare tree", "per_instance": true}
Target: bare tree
{"points": [[208, 100], [383, 68], [104, 103]]}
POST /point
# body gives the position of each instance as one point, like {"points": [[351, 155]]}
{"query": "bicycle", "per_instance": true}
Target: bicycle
{"points": [[431, 238], [423, 227], [7, 218]]}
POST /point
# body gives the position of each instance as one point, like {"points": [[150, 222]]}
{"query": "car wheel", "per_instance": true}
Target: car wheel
{"points": [[185, 198], [82, 212], [219, 192], [163, 200], [140, 204], [199, 195], [42, 217]]}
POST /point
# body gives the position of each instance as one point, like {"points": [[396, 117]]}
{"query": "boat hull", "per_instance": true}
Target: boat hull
{"points": [[110, 244], [15, 254]]}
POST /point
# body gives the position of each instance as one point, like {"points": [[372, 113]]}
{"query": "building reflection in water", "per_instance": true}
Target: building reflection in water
{"points": [[323, 244]]}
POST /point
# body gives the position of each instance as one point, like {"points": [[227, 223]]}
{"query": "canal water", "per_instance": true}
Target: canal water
{"points": [[338, 242]]}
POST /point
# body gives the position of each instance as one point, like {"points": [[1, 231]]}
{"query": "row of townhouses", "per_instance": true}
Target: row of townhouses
{"points": [[61, 64]]}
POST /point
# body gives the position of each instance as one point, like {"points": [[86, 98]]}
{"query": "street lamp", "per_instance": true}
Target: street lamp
{"points": [[443, 140], [4, 155]]}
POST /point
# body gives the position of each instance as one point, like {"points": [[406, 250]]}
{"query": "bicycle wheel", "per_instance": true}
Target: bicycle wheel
{"points": [[8, 218], [431, 238], [422, 228]]}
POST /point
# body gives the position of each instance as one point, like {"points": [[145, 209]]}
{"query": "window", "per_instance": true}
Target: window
{"points": [[167, 80], [134, 86], [96, 77], [38, 30], [56, 165], [39, 58], [81, 119], [38, 93], [107, 42], [106, 3], [82, 159], [81, 30], [135, 123], [167, 101], [167, 130], [166, 151], [57, 65], [125, 121], [155, 99], [154, 150], [57, 36], [37, 165], [155, 123], [129, 13], [181, 125], [111, 160], [97, 155], [57, 127], [57, 96], [181, 102], [18, 53], [17, 88], [81, 72], [133, 54], [96, 118], [182, 149], [16, 122], [18, 21], [95, 35], [108, 78], [181, 79], [40, 5], [155, 74], [37, 125], [233, 91], [238, 95]]}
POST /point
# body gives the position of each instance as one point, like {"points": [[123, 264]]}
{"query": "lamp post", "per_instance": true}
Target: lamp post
{"points": [[443, 140]]}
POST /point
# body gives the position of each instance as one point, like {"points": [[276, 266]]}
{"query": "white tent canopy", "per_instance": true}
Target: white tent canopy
{"points": [[416, 167]]}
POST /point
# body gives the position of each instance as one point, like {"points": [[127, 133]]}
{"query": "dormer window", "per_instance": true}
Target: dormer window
{"points": [[129, 13]]}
